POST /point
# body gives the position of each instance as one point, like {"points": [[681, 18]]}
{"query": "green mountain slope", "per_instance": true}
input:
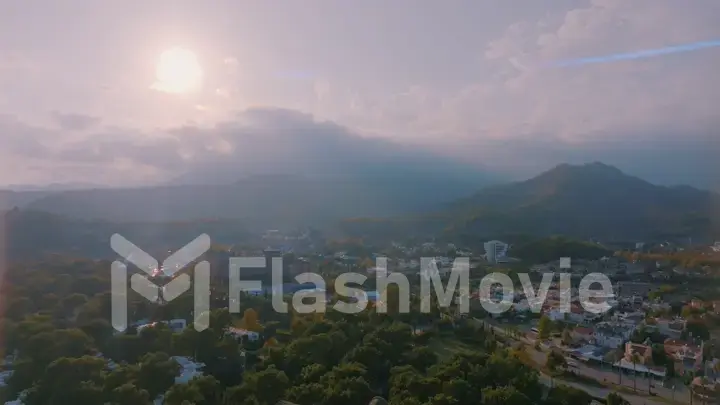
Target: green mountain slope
{"points": [[587, 201]]}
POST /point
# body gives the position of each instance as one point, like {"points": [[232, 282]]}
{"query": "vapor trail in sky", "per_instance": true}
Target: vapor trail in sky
{"points": [[648, 53]]}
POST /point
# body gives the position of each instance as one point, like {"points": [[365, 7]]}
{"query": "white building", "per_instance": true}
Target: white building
{"points": [[175, 325], [238, 333], [188, 369], [612, 334], [495, 250], [671, 327]]}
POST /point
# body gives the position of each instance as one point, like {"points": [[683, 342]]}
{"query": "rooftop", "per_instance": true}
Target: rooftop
{"points": [[641, 368], [640, 349], [592, 352], [614, 328]]}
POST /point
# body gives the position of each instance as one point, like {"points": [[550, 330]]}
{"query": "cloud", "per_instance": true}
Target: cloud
{"points": [[477, 88], [41, 155], [23, 140], [255, 141], [587, 102], [519, 97], [75, 122], [520, 116], [271, 140]]}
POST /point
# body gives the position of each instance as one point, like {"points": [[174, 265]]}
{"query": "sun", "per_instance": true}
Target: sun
{"points": [[178, 71]]}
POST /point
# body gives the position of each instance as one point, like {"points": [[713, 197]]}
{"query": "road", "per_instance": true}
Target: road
{"points": [[598, 392], [611, 377], [681, 394]]}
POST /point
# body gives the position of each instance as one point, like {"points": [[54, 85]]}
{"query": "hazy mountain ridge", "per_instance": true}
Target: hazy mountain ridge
{"points": [[586, 201], [592, 200], [54, 186], [272, 165], [11, 198], [282, 175], [272, 200]]}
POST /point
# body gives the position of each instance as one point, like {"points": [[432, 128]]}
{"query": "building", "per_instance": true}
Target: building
{"points": [[495, 251], [657, 306], [175, 325], [612, 334], [687, 357], [632, 288], [642, 354], [638, 357], [670, 327], [238, 333], [189, 369], [633, 318], [581, 334], [697, 304], [576, 314]]}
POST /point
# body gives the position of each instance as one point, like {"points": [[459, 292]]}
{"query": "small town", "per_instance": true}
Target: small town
{"points": [[656, 342], [406, 202]]}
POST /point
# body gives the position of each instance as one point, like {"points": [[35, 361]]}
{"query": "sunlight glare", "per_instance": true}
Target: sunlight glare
{"points": [[178, 71]]}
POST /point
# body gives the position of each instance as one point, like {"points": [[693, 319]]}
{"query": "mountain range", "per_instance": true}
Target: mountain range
{"points": [[269, 201], [590, 201]]}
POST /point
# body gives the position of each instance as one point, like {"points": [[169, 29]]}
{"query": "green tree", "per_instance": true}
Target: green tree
{"points": [[250, 320], [564, 395], [555, 360], [566, 337], [310, 393], [442, 399], [615, 399], [544, 327], [129, 394], [268, 386], [179, 394], [209, 388], [69, 381], [504, 396], [99, 330], [73, 301], [156, 373], [422, 358]]}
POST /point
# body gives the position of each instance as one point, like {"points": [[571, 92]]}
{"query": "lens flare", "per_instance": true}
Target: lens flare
{"points": [[647, 53]]}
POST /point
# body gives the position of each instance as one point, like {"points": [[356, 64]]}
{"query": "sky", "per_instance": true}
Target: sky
{"points": [[128, 92]]}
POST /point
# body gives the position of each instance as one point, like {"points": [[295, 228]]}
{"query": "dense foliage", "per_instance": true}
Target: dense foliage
{"points": [[549, 249], [56, 325]]}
